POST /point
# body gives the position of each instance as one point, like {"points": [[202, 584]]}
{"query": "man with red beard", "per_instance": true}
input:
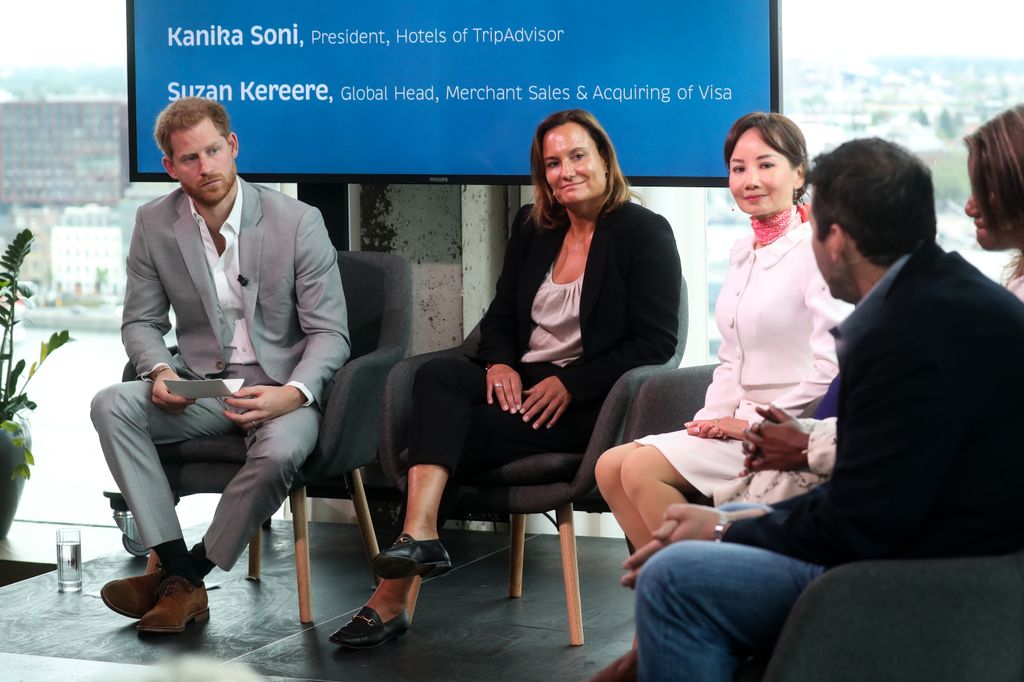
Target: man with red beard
{"points": [[253, 281]]}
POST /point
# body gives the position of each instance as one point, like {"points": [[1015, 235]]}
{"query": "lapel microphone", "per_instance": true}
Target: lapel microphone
{"points": [[243, 280]]}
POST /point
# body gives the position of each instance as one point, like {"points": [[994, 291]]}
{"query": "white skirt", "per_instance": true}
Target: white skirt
{"points": [[705, 462]]}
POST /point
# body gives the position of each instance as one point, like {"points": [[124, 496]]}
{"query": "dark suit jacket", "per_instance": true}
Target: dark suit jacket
{"points": [[929, 460], [629, 307]]}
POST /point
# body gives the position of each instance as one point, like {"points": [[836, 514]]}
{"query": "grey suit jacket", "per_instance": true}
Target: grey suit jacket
{"points": [[294, 305]]}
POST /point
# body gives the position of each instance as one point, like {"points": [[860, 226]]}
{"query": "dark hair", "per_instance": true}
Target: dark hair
{"points": [[878, 193], [547, 212], [186, 113], [996, 167], [779, 133]]}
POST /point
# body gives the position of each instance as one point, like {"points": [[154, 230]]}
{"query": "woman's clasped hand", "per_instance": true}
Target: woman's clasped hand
{"points": [[545, 401]]}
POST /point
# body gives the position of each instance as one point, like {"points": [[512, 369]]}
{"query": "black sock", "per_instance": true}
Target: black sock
{"points": [[198, 556], [175, 560]]}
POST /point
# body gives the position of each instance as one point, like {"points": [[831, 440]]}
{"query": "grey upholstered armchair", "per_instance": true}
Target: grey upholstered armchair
{"points": [[378, 294], [909, 620], [535, 484]]}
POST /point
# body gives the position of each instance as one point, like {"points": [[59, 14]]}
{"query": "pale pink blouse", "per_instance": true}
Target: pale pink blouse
{"points": [[556, 336]]}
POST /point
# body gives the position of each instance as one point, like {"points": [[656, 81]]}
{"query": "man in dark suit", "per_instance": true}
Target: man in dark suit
{"points": [[253, 281], [925, 466]]}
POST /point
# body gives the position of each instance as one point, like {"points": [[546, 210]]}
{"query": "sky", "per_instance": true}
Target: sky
{"points": [[49, 32], [92, 32], [872, 28]]}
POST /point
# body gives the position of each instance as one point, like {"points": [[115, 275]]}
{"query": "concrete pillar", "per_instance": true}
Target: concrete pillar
{"points": [[424, 224], [484, 235]]}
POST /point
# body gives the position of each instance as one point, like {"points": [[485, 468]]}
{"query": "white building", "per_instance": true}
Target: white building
{"points": [[86, 253]]}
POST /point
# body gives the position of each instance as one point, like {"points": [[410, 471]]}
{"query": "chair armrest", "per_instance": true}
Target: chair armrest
{"points": [[611, 420], [931, 619], [349, 428], [668, 400], [396, 411]]}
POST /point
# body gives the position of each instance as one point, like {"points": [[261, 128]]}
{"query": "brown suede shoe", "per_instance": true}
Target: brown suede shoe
{"points": [[132, 597], [180, 602]]}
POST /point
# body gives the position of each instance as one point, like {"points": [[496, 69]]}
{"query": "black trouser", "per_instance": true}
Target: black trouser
{"points": [[453, 426]]}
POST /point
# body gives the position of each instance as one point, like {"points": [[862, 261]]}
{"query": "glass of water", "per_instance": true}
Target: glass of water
{"points": [[69, 560]]}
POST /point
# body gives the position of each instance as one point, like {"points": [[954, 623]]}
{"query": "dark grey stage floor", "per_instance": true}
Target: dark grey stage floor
{"points": [[465, 627]]}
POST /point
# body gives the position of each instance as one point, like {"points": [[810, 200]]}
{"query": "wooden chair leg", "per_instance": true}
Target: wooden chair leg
{"points": [[255, 549], [570, 574], [153, 562], [413, 595], [364, 519], [300, 525], [517, 551]]}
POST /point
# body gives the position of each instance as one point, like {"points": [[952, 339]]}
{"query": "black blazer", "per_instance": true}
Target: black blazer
{"points": [[629, 307], [929, 460]]}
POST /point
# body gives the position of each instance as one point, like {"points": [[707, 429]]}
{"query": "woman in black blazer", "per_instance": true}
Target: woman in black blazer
{"points": [[589, 289]]}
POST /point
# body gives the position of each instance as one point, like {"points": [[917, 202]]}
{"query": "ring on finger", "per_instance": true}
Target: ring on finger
{"points": [[497, 384]]}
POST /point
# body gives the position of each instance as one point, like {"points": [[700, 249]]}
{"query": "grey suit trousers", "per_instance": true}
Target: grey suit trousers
{"points": [[130, 426]]}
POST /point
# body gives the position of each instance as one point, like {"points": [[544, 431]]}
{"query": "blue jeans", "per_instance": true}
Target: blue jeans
{"points": [[703, 607]]}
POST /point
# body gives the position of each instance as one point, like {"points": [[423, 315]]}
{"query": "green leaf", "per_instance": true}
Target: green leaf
{"points": [[26, 289], [57, 339], [21, 471], [14, 375], [13, 399], [15, 253]]}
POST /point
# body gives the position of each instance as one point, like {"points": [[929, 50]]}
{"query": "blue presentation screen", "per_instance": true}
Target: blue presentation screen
{"points": [[420, 91]]}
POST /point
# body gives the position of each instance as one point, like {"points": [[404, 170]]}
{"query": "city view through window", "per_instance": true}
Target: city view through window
{"points": [[923, 81]]}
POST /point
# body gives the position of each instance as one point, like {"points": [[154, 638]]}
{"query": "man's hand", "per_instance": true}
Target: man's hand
{"points": [[505, 386], [779, 443], [164, 399], [257, 404], [545, 402], [722, 428], [682, 522]]}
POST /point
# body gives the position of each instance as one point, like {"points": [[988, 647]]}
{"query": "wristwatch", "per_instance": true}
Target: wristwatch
{"points": [[721, 526]]}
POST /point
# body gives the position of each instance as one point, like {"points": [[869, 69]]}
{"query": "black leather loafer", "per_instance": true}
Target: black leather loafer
{"points": [[408, 557], [366, 630]]}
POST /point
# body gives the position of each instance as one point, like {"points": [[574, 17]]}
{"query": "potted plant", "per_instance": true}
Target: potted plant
{"points": [[15, 441]]}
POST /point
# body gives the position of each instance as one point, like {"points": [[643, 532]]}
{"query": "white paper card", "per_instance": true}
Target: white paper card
{"points": [[203, 388]]}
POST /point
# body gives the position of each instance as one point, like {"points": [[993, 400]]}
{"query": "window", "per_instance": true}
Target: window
{"points": [[922, 79], [63, 174]]}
